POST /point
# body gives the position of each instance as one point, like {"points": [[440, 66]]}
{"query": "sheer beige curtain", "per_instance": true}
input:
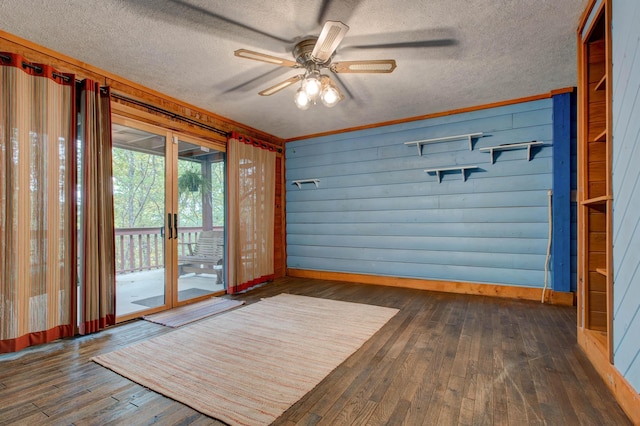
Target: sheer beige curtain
{"points": [[251, 187], [37, 219], [97, 262]]}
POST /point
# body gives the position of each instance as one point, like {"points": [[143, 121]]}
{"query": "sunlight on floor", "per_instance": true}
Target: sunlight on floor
{"points": [[136, 286]]}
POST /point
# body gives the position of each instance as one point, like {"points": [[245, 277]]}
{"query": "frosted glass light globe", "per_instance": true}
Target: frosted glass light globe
{"points": [[301, 99], [312, 87], [330, 96]]}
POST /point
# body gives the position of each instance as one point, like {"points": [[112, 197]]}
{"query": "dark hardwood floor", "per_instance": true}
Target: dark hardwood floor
{"points": [[442, 360]]}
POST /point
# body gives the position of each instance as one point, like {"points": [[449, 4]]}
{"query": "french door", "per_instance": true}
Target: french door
{"points": [[169, 204]]}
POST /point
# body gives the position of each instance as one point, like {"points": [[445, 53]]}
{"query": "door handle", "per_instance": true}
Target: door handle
{"points": [[175, 224], [170, 229], [162, 232]]}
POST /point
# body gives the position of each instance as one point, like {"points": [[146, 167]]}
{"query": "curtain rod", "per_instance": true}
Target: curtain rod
{"points": [[142, 104], [189, 120], [171, 114], [256, 142], [36, 68]]}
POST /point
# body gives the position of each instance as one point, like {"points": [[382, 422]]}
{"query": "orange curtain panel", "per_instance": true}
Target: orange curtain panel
{"points": [[251, 187], [37, 208], [57, 270], [97, 278]]}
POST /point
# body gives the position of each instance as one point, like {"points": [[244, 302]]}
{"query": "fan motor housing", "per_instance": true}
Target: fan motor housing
{"points": [[302, 52]]}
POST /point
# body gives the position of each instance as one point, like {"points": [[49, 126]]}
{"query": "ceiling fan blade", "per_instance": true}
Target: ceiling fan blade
{"points": [[410, 44], [208, 13], [206, 20], [440, 40], [337, 9], [332, 34], [249, 81], [256, 56], [282, 85], [373, 66]]}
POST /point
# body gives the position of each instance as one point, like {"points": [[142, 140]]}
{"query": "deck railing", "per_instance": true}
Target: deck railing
{"points": [[142, 249]]}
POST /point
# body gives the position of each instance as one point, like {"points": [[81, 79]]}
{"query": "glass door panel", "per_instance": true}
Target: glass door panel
{"points": [[139, 176], [200, 183]]}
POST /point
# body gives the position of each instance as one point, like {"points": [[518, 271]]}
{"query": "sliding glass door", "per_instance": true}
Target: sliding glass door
{"points": [[140, 198], [169, 218], [200, 211]]}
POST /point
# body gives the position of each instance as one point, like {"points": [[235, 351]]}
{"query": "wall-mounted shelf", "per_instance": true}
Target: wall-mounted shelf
{"points": [[468, 136], [602, 137], [601, 271], [596, 200], [461, 169], [511, 146], [299, 183], [601, 84], [598, 203]]}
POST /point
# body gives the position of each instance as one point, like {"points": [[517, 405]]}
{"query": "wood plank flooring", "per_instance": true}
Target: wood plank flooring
{"points": [[444, 359]]}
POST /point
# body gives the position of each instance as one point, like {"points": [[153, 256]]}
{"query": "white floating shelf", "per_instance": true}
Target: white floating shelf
{"points": [[299, 183], [511, 146], [461, 169], [468, 136]]}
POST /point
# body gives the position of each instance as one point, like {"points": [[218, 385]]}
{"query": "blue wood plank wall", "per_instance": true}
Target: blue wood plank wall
{"points": [[626, 188], [376, 211], [561, 247], [574, 187]]}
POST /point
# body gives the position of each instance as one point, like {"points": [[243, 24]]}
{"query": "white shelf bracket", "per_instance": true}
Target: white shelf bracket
{"points": [[299, 183], [462, 169], [469, 137], [511, 146], [529, 151]]}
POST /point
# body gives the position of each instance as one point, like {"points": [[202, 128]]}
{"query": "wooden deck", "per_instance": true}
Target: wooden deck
{"points": [[444, 359]]}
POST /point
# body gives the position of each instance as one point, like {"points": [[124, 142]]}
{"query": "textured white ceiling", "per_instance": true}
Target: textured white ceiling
{"points": [[502, 49]]}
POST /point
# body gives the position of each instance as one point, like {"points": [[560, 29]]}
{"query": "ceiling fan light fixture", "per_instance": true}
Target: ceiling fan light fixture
{"points": [[314, 54], [312, 85], [301, 99], [330, 97]]}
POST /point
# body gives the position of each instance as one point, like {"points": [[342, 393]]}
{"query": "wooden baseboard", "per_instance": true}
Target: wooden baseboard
{"points": [[496, 290], [627, 397]]}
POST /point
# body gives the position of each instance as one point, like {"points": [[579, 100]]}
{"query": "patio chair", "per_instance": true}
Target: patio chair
{"points": [[205, 255]]}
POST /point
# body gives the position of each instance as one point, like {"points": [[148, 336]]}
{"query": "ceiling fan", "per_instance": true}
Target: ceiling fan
{"points": [[313, 55]]}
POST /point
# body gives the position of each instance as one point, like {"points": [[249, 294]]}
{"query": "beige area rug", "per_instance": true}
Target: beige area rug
{"points": [[189, 313], [248, 366]]}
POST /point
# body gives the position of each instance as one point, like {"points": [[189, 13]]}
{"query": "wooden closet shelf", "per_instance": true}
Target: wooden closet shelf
{"points": [[602, 83], [602, 137], [597, 202]]}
